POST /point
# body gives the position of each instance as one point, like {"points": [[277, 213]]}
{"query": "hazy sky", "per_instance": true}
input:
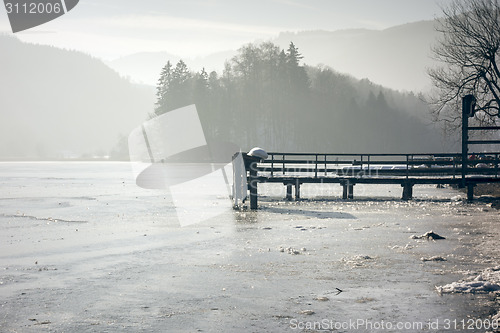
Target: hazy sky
{"points": [[112, 28]]}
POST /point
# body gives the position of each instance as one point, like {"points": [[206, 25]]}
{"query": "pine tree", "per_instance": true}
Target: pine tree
{"points": [[162, 89], [201, 99], [180, 89], [293, 55]]}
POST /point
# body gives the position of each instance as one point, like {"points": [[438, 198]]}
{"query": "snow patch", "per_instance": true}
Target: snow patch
{"points": [[428, 235], [487, 281], [434, 258]]}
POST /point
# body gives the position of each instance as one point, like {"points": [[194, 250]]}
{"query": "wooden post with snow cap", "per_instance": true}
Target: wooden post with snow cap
{"points": [[251, 159]]}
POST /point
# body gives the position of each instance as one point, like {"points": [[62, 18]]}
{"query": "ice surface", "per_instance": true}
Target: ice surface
{"points": [[83, 248]]}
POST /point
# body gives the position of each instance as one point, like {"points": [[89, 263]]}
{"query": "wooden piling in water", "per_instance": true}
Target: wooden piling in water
{"points": [[253, 184], [344, 191], [407, 191], [470, 191], [347, 190], [297, 190], [289, 192]]}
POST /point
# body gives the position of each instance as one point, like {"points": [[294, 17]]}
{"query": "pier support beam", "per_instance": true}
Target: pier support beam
{"points": [[407, 191], [289, 192], [289, 186], [347, 190], [350, 195], [470, 191], [297, 190]]}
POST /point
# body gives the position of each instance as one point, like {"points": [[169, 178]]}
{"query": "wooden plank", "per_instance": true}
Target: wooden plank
{"points": [[339, 180], [377, 172], [484, 128], [484, 142]]}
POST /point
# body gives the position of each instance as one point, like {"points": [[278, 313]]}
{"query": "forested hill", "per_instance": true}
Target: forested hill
{"points": [[266, 97], [63, 104]]}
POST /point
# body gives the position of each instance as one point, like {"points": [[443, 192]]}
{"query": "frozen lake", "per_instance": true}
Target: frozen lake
{"points": [[83, 249]]}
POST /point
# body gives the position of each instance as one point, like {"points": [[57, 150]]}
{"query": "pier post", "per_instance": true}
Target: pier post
{"points": [[470, 191], [253, 184], [344, 191], [407, 191], [347, 190], [297, 190], [289, 192], [468, 110]]}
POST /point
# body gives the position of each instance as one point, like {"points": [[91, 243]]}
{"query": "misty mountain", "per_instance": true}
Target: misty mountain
{"points": [[396, 57], [63, 104]]}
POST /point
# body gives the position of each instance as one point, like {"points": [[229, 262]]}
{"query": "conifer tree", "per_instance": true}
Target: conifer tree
{"points": [[162, 88]]}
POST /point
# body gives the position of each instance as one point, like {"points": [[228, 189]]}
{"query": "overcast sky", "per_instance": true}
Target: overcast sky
{"points": [[110, 29]]}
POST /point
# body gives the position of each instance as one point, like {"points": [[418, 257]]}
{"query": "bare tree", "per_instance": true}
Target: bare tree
{"points": [[469, 54]]}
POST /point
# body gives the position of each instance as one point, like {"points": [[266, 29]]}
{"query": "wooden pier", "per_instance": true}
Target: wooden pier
{"points": [[463, 169], [294, 169]]}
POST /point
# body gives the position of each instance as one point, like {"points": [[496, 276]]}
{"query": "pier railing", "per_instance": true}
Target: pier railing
{"points": [[321, 165]]}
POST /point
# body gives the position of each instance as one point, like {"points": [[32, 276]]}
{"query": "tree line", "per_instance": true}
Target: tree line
{"points": [[267, 97]]}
